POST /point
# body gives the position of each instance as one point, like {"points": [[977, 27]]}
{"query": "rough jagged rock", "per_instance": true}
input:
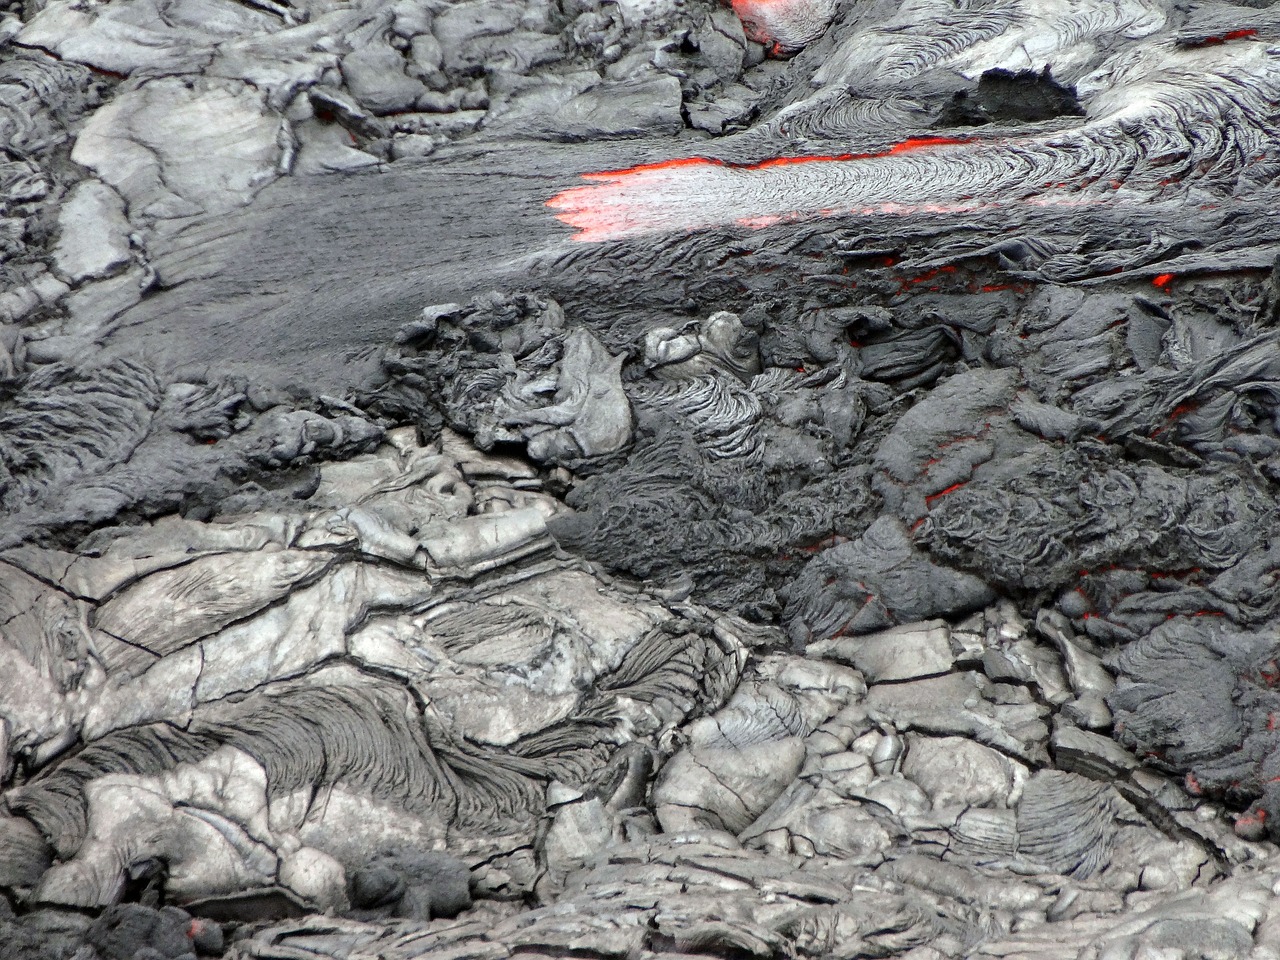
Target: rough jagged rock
{"points": [[529, 380]]}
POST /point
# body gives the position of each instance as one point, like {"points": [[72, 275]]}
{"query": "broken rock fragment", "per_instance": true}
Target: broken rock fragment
{"points": [[558, 389], [638, 108], [375, 75], [735, 766], [174, 149], [906, 652], [94, 234]]}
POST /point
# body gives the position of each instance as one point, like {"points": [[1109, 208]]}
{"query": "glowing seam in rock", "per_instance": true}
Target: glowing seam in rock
{"points": [[619, 206], [1195, 125], [784, 26]]}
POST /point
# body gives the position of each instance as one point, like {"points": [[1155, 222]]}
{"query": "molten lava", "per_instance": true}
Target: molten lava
{"points": [[691, 193]]}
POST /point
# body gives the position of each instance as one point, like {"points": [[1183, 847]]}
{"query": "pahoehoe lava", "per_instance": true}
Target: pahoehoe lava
{"points": [[1167, 128], [639, 478]]}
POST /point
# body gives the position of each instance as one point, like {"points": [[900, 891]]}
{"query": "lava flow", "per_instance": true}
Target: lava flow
{"points": [[1148, 146], [696, 192]]}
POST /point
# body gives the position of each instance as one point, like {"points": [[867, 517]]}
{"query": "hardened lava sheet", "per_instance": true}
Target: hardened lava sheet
{"points": [[639, 479]]}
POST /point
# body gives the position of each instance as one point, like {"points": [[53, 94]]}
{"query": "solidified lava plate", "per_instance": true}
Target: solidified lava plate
{"points": [[639, 479]]}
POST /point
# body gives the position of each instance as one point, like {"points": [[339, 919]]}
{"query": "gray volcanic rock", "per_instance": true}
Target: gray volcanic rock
{"points": [[173, 149], [633, 108], [94, 233], [899, 653], [335, 645], [375, 76], [875, 581], [639, 479]]}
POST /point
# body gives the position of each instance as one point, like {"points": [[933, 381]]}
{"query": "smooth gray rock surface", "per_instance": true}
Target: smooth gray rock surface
{"points": [[93, 233]]}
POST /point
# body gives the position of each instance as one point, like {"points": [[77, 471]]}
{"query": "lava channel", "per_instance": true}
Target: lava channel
{"points": [[1152, 145], [695, 193]]}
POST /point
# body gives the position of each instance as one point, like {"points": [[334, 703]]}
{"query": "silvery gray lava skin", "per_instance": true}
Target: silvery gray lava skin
{"points": [[639, 479]]}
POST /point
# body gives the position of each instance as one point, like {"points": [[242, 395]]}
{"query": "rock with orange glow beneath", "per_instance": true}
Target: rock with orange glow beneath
{"points": [[784, 26]]}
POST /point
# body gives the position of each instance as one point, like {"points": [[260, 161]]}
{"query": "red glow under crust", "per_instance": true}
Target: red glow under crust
{"points": [[1251, 819], [619, 202], [1161, 575], [927, 276], [1163, 280], [906, 146], [942, 493], [103, 72], [756, 17], [1224, 38]]}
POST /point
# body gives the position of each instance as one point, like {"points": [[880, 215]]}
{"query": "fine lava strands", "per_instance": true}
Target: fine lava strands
{"points": [[694, 192], [1190, 124]]}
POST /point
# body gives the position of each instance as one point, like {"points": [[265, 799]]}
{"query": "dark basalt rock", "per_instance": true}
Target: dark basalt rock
{"points": [[420, 886], [1007, 96], [123, 932]]}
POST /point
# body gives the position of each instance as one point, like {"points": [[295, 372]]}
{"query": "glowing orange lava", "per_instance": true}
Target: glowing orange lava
{"points": [[696, 192], [906, 146], [1224, 38]]}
